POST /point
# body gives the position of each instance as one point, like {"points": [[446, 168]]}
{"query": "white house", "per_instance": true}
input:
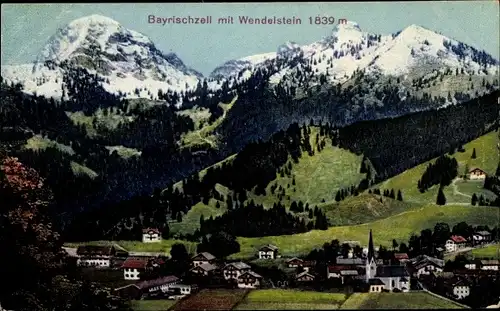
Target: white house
{"points": [[394, 277], [151, 235], [249, 279], [481, 237], [268, 252], [490, 265], [234, 270], [376, 285], [95, 256], [425, 265], [132, 268], [455, 243], [203, 258], [162, 284], [181, 289], [477, 173], [460, 288]]}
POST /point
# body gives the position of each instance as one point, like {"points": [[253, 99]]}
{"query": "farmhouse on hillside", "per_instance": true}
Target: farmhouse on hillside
{"points": [[151, 235], [234, 270], [455, 243], [203, 258], [249, 279], [477, 173], [95, 256], [268, 252], [133, 267]]}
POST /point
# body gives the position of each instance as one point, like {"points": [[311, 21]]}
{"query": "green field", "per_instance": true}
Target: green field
{"points": [[278, 299], [491, 251], [317, 177], [362, 209], [398, 227], [412, 300], [152, 305], [191, 221], [38, 142], [204, 136], [487, 159], [138, 246]]}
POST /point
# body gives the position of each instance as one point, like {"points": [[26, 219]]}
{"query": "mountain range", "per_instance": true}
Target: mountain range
{"points": [[101, 104], [133, 67]]}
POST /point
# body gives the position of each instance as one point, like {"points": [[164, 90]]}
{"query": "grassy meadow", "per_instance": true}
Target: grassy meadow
{"points": [[280, 299], [487, 158], [412, 300]]}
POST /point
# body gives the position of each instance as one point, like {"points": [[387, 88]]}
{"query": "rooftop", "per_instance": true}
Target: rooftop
{"points": [[205, 255], [150, 230], [269, 246], [239, 265], [96, 250], [157, 282], [135, 263], [391, 271], [255, 275], [375, 282], [458, 239]]}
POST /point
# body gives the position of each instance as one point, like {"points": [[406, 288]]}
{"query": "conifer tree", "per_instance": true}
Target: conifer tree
{"points": [[441, 199], [400, 196], [473, 153], [474, 199]]}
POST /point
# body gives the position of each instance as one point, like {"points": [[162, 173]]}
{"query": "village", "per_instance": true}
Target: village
{"points": [[353, 269]]}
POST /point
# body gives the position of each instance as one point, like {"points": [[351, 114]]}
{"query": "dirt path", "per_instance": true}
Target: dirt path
{"points": [[455, 189]]}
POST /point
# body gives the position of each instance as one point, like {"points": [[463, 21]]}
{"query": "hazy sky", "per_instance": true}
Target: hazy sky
{"points": [[26, 27]]}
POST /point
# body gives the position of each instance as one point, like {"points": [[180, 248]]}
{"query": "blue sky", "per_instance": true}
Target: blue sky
{"points": [[26, 27]]}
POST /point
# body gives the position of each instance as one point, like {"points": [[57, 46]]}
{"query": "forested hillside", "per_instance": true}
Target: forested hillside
{"points": [[399, 144]]}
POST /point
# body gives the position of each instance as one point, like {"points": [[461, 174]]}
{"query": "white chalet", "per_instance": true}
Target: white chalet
{"points": [[268, 252], [455, 243], [151, 235], [234, 270], [249, 279], [477, 173], [95, 256], [133, 267]]}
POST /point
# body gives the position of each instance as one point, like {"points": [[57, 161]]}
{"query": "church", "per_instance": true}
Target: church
{"points": [[388, 277]]}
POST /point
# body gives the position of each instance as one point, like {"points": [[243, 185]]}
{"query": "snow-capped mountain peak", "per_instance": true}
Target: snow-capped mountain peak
{"points": [[349, 26], [126, 58]]}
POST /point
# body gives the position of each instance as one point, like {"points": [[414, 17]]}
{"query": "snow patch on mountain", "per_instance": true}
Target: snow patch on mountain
{"points": [[127, 59]]}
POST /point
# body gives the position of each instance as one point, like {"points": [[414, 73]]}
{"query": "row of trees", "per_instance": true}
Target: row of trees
{"points": [[442, 172]]}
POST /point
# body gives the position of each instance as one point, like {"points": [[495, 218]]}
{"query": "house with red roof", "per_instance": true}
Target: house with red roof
{"points": [[401, 257], [151, 235], [455, 243], [132, 268]]}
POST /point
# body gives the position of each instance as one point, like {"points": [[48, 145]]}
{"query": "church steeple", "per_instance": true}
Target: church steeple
{"points": [[371, 249]]}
